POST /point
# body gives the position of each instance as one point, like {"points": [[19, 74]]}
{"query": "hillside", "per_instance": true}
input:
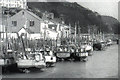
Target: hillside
{"points": [[109, 19], [72, 13], [113, 24]]}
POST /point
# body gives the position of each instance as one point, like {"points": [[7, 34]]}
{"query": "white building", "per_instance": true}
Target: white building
{"points": [[35, 27], [49, 29], [13, 3]]}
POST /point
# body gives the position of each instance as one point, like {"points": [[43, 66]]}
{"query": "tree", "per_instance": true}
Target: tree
{"points": [[56, 15], [117, 28]]}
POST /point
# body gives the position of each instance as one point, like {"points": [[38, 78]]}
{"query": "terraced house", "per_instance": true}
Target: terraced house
{"points": [[13, 3]]}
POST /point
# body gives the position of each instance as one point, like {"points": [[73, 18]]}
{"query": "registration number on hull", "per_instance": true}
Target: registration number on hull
{"points": [[63, 55], [82, 54]]}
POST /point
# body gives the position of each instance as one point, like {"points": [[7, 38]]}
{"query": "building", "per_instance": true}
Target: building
{"points": [[0, 21], [13, 3], [56, 24], [3, 19], [28, 22], [49, 29], [35, 27], [47, 15], [24, 21]]}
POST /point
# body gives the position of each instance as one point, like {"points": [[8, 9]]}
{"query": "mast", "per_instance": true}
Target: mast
{"points": [[6, 30], [44, 35], [1, 29], [20, 38], [75, 32], [70, 32], [79, 32], [25, 36]]}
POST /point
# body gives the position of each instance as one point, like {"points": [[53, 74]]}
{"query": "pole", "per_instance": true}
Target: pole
{"points": [[44, 36], [79, 33], [6, 30], [75, 32], [1, 25], [62, 37], [70, 33]]}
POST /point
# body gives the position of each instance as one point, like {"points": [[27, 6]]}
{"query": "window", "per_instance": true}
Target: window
{"points": [[9, 5], [22, 13], [14, 23], [52, 26], [32, 23]]}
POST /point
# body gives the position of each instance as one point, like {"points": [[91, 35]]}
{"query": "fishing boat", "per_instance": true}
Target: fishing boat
{"points": [[49, 56], [27, 58]]}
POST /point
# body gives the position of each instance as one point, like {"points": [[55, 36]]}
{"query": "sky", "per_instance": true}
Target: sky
{"points": [[119, 11], [103, 8]]}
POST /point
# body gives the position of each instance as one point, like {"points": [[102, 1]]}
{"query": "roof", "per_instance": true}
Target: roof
{"points": [[34, 15], [12, 11], [31, 13], [55, 20], [27, 29]]}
